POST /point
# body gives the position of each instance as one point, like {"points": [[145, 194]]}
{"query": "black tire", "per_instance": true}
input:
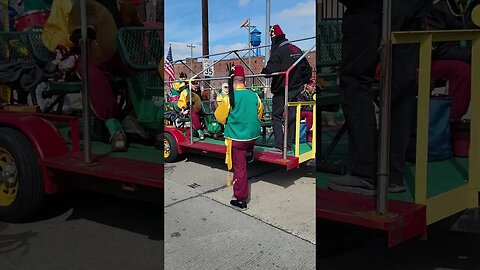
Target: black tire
{"points": [[30, 183], [170, 142]]}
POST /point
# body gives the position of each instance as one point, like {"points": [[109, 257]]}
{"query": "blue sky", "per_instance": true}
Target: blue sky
{"points": [[183, 23]]}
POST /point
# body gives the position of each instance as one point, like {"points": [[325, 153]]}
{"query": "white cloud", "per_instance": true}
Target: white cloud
{"points": [[297, 21], [306, 9], [181, 51], [230, 47], [242, 3]]}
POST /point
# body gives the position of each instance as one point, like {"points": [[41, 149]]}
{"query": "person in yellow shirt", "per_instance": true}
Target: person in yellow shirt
{"points": [[178, 87], [62, 30], [184, 104], [240, 111], [224, 92]]}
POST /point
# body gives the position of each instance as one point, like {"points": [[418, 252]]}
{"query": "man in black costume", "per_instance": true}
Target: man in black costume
{"points": [[283, 55], [362, 28]]}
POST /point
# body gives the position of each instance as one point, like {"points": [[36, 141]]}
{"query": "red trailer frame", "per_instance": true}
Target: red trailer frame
{"points": [[183, 146], [38, 158], [61, 164]]}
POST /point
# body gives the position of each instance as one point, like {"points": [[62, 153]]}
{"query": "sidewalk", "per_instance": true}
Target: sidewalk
{"points": [[202, 231]]}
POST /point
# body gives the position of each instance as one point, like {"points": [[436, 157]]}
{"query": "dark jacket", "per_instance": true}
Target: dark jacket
{"points": [[306, 96], [23, 74], [442, 18], [282, 56], [406, 14]]}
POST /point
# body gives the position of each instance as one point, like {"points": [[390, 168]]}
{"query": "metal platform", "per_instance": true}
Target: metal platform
{"points": [[405, 220], [291, 162], [111, 168]]}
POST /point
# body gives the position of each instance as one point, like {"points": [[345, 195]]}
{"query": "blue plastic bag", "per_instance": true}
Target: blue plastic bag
{"points": [[439, 145], [303, 132]]}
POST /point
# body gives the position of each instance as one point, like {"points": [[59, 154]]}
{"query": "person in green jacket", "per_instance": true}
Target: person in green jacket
{"points": [[240, 111]]}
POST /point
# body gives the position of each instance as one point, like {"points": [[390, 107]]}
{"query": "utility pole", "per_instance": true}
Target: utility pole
{"points": [[205, 41], [191, 46]]}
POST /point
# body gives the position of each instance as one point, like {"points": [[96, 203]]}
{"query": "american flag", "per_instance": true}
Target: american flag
{"points": [[169, 70]]}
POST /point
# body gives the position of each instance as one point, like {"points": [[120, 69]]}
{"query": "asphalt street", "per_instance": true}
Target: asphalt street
{"points": [[86, 231]]}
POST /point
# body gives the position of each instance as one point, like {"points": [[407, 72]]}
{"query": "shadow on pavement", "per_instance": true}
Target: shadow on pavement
{"points": [[127, 214], [124, 213], [12, 242], [257, 171], [341, 246]]}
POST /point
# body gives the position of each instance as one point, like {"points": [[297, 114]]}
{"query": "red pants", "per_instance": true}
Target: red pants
{"points": [[458, 74], [196, 123], [308, 115], [240, 184], [103, 102]]}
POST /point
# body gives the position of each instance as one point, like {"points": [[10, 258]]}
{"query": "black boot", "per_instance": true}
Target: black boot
{"points": [[239, 204]]}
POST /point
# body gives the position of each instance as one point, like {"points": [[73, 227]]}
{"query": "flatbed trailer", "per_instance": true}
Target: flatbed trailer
{"points": [[46, 153], [209, 146], [179, 140]]}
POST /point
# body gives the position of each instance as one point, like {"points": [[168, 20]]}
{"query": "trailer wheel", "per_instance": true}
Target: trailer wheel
{"points": [[21, 185], [170, 150]]}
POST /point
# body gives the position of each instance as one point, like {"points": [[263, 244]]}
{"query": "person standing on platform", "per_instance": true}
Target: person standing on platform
{"points": [[283, 55], [362, 28]]}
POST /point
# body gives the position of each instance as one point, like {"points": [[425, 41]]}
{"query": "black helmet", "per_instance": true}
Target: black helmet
{"points": [[183, 75]]}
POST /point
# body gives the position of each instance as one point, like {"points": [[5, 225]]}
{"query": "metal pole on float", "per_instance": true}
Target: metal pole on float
{"points": [[267, 31], [267, 41], [383, 174], [87, 142]]}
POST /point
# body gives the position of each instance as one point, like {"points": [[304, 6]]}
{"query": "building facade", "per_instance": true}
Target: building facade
{"points": [[221, 68]]}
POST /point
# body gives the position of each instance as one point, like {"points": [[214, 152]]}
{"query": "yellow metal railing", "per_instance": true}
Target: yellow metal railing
{"points": [[466, 196], [309, 154]]}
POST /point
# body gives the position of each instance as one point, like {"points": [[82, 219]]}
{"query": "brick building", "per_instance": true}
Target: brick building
{"points": [[257, 63]]}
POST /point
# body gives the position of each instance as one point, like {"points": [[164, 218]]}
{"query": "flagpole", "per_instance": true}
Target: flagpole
{"points": [[165, 93], [168, 67]]}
